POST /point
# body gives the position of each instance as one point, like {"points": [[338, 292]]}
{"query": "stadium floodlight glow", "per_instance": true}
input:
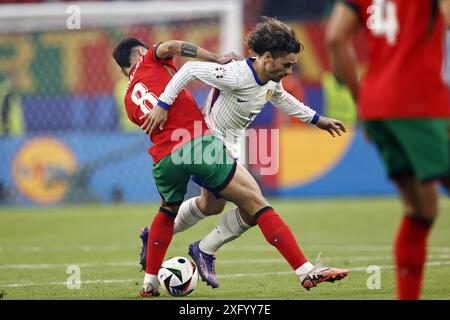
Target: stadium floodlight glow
{"points": [[18, 18]]}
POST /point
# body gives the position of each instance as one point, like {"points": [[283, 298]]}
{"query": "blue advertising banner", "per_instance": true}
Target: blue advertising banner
{"points": [[108, 167]]}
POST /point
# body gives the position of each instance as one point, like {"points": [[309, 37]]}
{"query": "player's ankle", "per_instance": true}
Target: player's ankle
{"points": [[305, 268]]}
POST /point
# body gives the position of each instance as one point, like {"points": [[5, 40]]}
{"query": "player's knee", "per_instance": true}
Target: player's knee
{"points": [[254, 203], [210, 207]]}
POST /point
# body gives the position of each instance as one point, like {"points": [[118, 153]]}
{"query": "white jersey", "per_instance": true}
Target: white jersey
{"points": [[237, 97]]}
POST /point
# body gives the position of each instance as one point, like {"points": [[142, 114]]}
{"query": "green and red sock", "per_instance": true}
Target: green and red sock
{"points": [[278, 234]]}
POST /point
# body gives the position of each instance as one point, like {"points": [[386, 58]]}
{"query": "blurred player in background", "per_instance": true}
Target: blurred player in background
{"points": [[403, 103], [240, 90], [149, 71]]}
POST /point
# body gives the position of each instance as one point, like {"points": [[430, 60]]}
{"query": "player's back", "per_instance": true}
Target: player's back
{"points": [[148, 80], [405, 44]]}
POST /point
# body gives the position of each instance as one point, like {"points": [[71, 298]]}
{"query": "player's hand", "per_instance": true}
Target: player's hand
{"points": [[156, 117], [228, 57], [331, 125]]}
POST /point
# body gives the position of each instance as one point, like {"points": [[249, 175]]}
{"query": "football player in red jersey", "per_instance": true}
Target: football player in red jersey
{"points": [[403, 104], [149, 70]]}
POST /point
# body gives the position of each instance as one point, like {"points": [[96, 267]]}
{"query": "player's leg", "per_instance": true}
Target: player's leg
{"points": [[420, 201], [416, 155], [246, 194], [231, 226], [195, 209], [425, 142], [160, 235], [171, 182], [237, 185]]}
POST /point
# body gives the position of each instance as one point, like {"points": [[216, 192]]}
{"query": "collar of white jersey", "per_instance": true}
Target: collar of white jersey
{"points": [[249, 62]]}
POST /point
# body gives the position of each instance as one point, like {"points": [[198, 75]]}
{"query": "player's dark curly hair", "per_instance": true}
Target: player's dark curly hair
{"points": [[272, 35], [123, 51]]}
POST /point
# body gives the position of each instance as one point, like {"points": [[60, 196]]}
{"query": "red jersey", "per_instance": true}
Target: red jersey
{"points": [[148, 79], [404, 78]]}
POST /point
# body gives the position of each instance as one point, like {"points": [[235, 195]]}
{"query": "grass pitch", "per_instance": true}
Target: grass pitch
{"points": [[37, 246]]}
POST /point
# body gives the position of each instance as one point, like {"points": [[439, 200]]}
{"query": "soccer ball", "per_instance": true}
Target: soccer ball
{"points": [[178, 276]]}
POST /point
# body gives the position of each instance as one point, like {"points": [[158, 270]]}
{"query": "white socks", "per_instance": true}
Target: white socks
{"points": [[151, 279], [230, 227], [305, 268], [188, 215]]}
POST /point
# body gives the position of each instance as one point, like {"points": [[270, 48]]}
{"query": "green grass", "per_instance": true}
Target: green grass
{"points": [[36, 245]]}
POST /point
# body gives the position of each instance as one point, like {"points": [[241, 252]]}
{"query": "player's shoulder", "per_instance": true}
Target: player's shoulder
{"points": [[241, 68]]}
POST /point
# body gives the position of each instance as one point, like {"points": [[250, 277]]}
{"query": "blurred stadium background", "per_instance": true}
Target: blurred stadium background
{"points": [[65, 138]]}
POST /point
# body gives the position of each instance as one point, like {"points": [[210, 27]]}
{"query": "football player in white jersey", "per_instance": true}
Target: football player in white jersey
{"points": [[240, 91]]}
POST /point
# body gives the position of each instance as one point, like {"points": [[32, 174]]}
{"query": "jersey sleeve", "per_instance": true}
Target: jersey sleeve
{"points": [[152, 56], [222, 77], [290, 105]]}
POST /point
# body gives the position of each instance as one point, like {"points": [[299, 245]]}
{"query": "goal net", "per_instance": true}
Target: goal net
{"points": [[64, 134]]}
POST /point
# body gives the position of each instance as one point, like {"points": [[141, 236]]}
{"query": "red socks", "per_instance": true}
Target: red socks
{"points": [[278, 234], [410, 253], [159, 238]]}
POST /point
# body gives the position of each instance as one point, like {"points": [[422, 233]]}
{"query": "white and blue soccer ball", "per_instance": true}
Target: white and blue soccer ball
{"points": [[178, 276]]}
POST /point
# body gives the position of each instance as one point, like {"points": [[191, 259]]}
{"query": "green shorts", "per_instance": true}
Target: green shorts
{"points": [[204, 157], [417, 146]]}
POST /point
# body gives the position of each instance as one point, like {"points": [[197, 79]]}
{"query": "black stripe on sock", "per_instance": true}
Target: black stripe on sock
{"points": [[167, 212], [262, 211], [421, 220]]}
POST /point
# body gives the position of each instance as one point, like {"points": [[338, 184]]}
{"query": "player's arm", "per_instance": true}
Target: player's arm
{"points": [[170, 48], [222, 77], [287, 103], [444, 6], [341, 28]]}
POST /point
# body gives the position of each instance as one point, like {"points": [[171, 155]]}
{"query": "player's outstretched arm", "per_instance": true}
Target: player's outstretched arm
{"points": [[289, 104], [341, 27], [172, 48]]}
